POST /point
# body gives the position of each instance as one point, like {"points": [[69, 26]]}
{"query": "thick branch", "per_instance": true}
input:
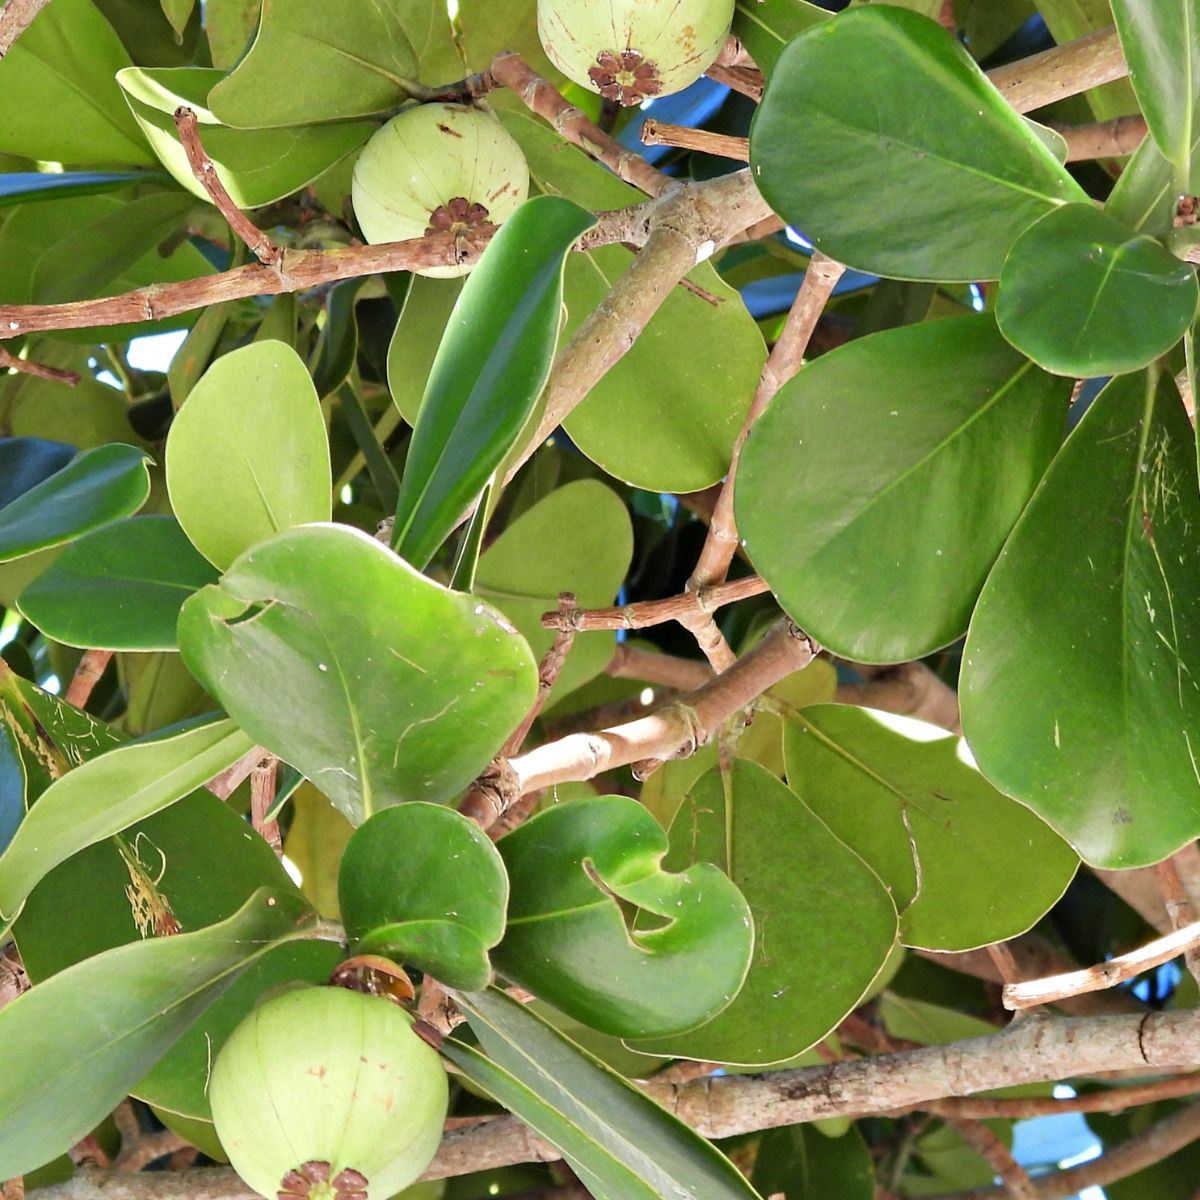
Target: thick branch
{"points": [[678, 727], [1104, 139], [660, 133], [1062, 71], [667, 670]]}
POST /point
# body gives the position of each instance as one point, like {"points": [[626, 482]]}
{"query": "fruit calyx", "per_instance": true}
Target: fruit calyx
{"points": [[310, 1181], [625, 76], [460, 217]]}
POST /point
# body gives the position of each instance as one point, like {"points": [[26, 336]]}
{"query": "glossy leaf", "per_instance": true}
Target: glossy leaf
{"points": [[318, 63], [1144, 196], [377, 683], [95, 487], [20, 187], [813, 900], [119, 587], [257, 166], [316, 839], [904, 124], [67, 59], [578, 539], [1084, 295], [798, 1163], [1081, 673], [490, 368], [416, 338], [653, 427], [76, 1044], [764, 27], [879, 557], [1159, 42], [247, 455], [110, 793], [27, 461], [965, 865], [425, 886], [622, 1144], [567, 940]]}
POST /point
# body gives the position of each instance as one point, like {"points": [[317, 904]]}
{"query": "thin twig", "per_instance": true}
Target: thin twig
{"points": [[146, 1148], [645, 613], [261, 246], [782, 363], [1006, 963], [668, 670], [544, 99], [660, 133], [226, 783], [746, 80], [548, 672], [1103, 975], [1015, 1182], [262, 800], [91, 667], [15, 17], [1180, 909], [25, 367]]}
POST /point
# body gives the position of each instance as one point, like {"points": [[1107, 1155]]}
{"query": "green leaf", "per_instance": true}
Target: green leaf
{"points": [[95, 487], [1144, 196], [615, 1132], [1159, 42], [110, 793], [58, 95], [377, 683], [337, 350], [178, 12], [578, 539], [965, 865], [813, 901], [316, 840], [416, 338], [489, 371], [567, 940], [257, 166], [1081, 672], [894, 109], [1084, 295], [27, 461], [883, 563], [230, 25], [191, 359], [425, 887], [21, 187], [119, 587], [798, 1163], [247, 455], [74, 1045], [764, 27], [318, 63], [665, 416]]}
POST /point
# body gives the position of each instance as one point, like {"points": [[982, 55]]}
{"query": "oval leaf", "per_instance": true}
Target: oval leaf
{"points": [[567, 939], [377, 683], [257, 166], [965, 865], [110, 793], [95, 487], [621, 1142], [926, 172], [814, 902], [77, 1043], [247, 455], [883, 563], [119, 587], [425, 887], [1081, 672], [308, 63], [27, 461], [488, 373], [1084, 295]]}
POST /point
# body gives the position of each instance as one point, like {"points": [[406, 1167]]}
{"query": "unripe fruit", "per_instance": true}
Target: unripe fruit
{"points": [[630, 50], [438, 167], [327, 1094]]}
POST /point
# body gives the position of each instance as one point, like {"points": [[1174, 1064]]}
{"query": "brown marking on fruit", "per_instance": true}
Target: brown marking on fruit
{"points": [[311, 1179], [317, 1072], [447, 130], [625, 76]]}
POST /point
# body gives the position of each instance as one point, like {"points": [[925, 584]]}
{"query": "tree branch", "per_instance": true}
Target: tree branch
{"points": [[1062, 71], [91, 667], [645, 613], [15, 17], [1104, 139], [24, 367], [660, 133], [1015, 1183]]}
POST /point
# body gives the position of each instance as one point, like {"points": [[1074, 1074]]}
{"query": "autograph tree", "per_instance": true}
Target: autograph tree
{"points": [[865, 394]]}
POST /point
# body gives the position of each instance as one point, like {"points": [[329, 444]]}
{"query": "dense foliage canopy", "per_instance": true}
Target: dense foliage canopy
{"points": [[858, 391]]}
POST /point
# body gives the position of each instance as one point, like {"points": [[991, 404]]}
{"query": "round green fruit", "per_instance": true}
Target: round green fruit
{"points": [[437, 168], [328, 1094], [633, 50]]}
